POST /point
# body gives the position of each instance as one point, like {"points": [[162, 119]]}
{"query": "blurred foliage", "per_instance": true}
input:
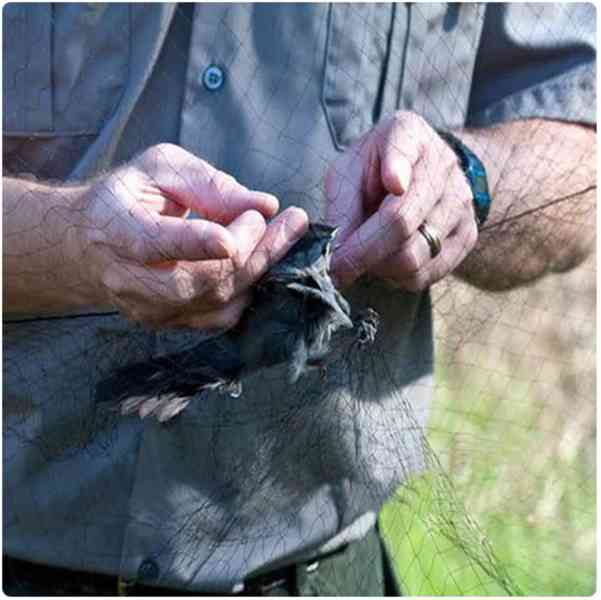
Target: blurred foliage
{"points": [[513, 430]]}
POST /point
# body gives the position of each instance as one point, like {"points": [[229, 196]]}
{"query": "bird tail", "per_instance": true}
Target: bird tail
{"points": [[164, 386]]}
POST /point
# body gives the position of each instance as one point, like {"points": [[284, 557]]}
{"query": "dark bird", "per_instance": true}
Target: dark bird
{"points": [[294, 312]]}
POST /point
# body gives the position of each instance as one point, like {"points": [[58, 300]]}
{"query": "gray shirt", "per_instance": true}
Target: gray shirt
{"points": [[238, 485]]}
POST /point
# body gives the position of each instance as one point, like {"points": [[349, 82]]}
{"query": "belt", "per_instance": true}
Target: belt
{"points": [[22, 578], [265, 584]]}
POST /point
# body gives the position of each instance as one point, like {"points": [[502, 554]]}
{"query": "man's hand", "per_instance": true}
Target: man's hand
{"points": [[124, 241], [396, 177]]}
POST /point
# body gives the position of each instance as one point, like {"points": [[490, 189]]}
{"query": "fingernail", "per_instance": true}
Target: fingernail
{"points": [[404, 173], [271, 203], [297, 218], [252, 218]]}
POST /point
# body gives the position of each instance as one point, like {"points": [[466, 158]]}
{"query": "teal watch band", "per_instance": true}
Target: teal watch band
{"points": [[475, 173]]}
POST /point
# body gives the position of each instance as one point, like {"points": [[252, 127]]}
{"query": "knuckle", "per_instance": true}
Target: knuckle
{"points": [[220, 182], [411, 119], [398, 219], [113, 182], [112, 282], [472, 236], [164, 149], [222, 293], [150, 155], [400, 117], [139, 248], [466, 201], [421, 124], [417, 128], [149, 160], [184, 294], [215, 183], [227, 319], [183, 290], [397, 116], [411, 260]]}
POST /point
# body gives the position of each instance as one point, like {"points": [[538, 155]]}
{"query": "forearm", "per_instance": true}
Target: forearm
{"points": [[542, 176], [39, 258]]}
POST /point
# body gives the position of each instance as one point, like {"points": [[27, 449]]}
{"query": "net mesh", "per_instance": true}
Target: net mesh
{"points": [[504, 502]]}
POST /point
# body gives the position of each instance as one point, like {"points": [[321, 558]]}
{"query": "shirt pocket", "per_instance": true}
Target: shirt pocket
{"points": [[357, 53], [65, 67]]}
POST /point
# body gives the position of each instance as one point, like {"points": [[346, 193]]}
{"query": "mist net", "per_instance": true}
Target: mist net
{"points": [[460, 418]]}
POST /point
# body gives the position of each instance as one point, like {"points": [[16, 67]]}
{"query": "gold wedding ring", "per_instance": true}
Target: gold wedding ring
{"points": [[431, 236]]}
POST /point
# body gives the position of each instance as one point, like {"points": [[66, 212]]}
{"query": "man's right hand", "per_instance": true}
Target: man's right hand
{"points": [[128, 243]]}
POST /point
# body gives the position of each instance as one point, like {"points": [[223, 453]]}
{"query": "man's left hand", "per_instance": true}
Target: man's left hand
{"points": [[397, 177]]}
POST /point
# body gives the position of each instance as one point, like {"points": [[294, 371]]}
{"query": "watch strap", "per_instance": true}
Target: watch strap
{"points": [[475, 173]]}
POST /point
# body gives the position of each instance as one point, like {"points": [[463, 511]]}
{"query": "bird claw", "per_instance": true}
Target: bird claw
{"points": [[367, 327]]}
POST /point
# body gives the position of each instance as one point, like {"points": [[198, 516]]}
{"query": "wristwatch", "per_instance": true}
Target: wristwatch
{"points": [[475, 173]]}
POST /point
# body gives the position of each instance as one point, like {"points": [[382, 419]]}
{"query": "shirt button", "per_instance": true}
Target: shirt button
{"points": [[148, 570], [213, 78]]}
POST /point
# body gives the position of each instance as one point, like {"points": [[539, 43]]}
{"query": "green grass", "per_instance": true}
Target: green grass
{"points": [[523, 469]]}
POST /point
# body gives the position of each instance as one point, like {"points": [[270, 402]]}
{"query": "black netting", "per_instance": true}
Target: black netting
{"points": [[460, 416]]}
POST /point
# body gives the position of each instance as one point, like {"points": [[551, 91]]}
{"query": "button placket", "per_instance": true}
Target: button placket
{"points": [[212, 51]]}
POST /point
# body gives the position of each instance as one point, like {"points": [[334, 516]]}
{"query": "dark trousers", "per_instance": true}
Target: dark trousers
{"points": [[362, 568]]}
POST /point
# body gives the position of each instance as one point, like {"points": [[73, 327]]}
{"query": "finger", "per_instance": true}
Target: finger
{"points": [[395, 222], [213, 283], [218, 282], [146, 291], [164, 239], [169, 294], [281, 234], [399, 153], [379, 164], [195, 184], [372, 168], [217, 320], [416, 253], [247, 230], [455, 248], [226, 199], [345, 209]]}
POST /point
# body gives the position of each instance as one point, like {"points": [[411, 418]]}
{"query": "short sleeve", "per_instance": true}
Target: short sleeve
{"points": [[535, 60]]}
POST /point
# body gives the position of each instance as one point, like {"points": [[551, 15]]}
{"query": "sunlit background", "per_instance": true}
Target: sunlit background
{"points": [[513, 426]]}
